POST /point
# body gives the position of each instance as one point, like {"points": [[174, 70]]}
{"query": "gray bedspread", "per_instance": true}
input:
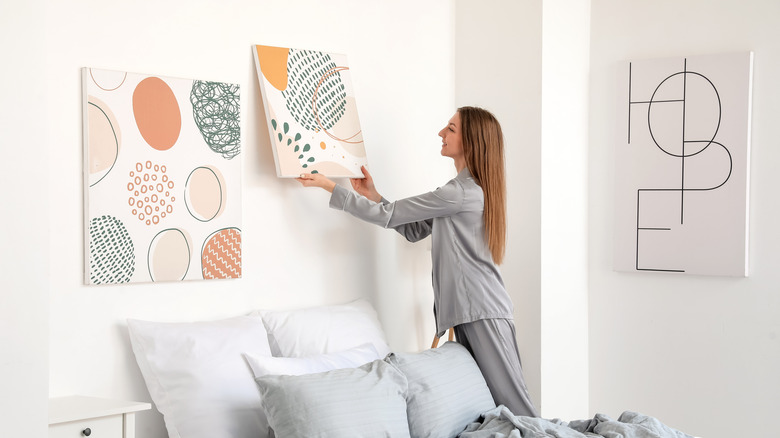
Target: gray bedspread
{"points": [[501, 423]]}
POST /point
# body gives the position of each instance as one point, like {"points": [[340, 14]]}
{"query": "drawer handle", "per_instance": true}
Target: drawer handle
{"points": [[86, 432]]}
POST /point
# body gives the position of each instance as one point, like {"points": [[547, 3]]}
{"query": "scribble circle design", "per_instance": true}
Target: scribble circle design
{"points": [[221, 254], [150, 198], [305, 69], [684, 143], [111, 251], [216, 110], [169, 255]]}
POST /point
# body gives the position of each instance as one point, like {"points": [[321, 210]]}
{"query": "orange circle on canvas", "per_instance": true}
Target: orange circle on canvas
{"points": [[157, 113]]}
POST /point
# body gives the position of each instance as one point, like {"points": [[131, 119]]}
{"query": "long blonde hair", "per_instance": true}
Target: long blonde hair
{"points": [[483, 149]]}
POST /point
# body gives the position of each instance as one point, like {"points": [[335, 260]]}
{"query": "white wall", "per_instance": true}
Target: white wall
{"points": [[296, 251], [528, 62], [691, 350], [498, 67], [24, 260], [701, 353], [564, 252]]}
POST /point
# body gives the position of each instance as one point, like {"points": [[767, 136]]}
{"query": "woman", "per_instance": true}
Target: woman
{"points": [[467, 221]]}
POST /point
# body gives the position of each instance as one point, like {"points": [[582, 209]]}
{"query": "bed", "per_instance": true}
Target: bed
{"points": [[328, 372]]}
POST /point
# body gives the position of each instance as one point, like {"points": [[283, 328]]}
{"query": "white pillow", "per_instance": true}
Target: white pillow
{"points": [[263, 365], [325, 329], [363, 402], [447, 391], [197, 378]]}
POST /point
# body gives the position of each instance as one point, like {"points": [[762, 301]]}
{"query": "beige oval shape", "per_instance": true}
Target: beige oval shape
{"points": [[204, 193], [104, 140], [107, 80], [347, 130], [336, 170], [169, 255]]}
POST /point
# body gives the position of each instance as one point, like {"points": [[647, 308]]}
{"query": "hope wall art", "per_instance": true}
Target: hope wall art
{"points": [[162, 178], [682, 158]]}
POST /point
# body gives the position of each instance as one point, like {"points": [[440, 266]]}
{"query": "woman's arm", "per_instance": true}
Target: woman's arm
{"points": [[364, 186], [411, 217], [444, 201], [316, 180]]}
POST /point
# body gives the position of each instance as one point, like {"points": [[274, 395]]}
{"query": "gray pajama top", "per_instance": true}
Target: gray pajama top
{"points": [[467, 284]]}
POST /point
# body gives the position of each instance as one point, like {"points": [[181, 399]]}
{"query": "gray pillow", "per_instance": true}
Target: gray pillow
{"points": [[446, 390], [368, 401]]}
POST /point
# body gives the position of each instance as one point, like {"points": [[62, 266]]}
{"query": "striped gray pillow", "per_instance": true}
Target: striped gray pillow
{"points": [[364, 402], [446, 390]]}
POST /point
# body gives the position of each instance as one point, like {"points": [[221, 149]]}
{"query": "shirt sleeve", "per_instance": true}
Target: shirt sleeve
{"points": [[412, 217]]}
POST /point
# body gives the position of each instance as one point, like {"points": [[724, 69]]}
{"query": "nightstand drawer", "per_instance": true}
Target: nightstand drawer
{"points": [[103, 427], [70, 417]]}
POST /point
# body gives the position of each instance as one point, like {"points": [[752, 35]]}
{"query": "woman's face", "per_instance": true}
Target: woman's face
{"points": [[451, 145]]}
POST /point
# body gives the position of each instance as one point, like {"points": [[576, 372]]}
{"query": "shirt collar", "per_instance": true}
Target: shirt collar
{"points": [[465, 174]]}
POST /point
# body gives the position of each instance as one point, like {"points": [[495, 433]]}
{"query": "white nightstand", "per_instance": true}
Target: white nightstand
{"points": [[78, 416]]}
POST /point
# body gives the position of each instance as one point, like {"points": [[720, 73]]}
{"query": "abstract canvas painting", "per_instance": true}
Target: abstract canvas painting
{"points": [[682, 162], [311, 112], [162, 178]]}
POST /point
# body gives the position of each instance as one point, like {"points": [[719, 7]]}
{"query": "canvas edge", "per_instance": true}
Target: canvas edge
{"points": [[85, 169], [748, 149], [263, 96]]}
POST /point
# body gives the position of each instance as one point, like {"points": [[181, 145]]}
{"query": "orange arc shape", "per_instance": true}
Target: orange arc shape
{"points": [[316, 114], [273, 64], [157, 113]]}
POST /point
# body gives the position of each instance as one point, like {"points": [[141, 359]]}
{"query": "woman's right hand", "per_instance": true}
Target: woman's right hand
{"points": [[316, 180], [365, 186]]}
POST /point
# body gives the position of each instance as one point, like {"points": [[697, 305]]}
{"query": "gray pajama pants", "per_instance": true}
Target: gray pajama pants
{"points": [[493, 344]]}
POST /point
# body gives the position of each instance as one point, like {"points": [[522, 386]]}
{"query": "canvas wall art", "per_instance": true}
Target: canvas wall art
{"points": [[311, 112], [683, 165], [162, 178]]}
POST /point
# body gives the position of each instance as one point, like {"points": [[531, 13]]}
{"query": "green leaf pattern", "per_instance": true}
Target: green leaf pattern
{"points": [[284, 136]]}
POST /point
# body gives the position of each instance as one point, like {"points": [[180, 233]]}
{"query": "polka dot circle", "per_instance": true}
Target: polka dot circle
{"points": [[149, 198]]}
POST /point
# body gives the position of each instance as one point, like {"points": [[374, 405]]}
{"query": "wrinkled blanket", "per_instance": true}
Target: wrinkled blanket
{"points": [[502, 423]]}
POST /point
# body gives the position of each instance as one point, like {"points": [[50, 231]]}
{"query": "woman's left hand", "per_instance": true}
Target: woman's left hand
{"points": [[316, 180]]}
